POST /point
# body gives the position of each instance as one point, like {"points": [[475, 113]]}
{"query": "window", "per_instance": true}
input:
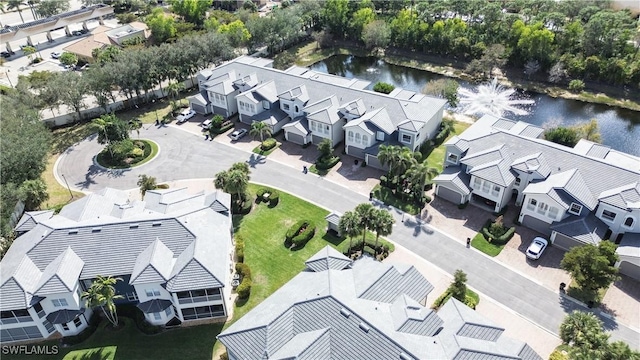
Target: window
{"points": [[517, 182], [326, 129], [532, 204], [296, 108], [358, 138], [152, 292], [406, 138], [157, 316], [77, 322], [575, 209], [452, 158], [203, 312], [365, 139], [553, 212], [350, 136], [417, 135], [477, 183], [38, 308], [59, 302], [496, 190], [485, 186], [253, 108], [379, 136], [187, 297], [16, 334], [285, 106], [49, 326], [15, 316], [542, 208], [65, 327], [168, 311], [132, 296], [628, 222], [608, 215], [266, 105]]}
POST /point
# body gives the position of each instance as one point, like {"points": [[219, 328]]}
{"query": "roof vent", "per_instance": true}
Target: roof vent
{"points": [[96, 229], [134, 226], [156, 223], [404, 356], [346, 313], [73, 231], [364, 327]]}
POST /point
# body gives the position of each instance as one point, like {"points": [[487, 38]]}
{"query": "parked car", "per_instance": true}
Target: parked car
{"points": [[205, 124], [535, 250], [5, 54], [56, 54], [77, 32], [185, 115], [238, 134]]}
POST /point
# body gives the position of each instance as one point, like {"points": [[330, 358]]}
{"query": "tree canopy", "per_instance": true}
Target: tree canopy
{"points": [[592, 267]]}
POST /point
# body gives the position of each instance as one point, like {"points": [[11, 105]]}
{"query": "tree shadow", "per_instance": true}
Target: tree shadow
{"points": [[255, 159]]}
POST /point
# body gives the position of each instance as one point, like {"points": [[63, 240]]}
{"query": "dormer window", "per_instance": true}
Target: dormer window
{"points": [[297, 109], [285, 107], [608, 215], [266, 105], [575, 209], [406, 138], [452, 158], [379, 136]]}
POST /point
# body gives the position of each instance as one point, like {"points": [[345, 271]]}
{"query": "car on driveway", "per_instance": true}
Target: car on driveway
{"points": [[238, 134], [185, 115], [205, 124], [536, 248], [56, 54]]}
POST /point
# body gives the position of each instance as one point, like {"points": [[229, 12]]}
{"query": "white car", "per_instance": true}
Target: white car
{"points": [[185, 115], [56, 54], [534, 251], [237, 134], [205, 124]]}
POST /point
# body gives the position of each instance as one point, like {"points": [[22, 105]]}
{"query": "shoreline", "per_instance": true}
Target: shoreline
{"points": [[310, 53]]}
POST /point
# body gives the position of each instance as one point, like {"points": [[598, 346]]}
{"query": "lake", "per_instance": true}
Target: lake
{"points": [[620, 128]]}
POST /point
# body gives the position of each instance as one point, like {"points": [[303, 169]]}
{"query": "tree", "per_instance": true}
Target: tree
{"points": [[325, 148], [444, 88], [389, 155], [29, 51], [162, 26], [366, 214], [376, 34], [591, 267], [335, 14], [146, 183], [418, 175], [234, 181], [383, 87], [261, 129], [236, 32], [619, 350], [493, 57], [15, 4], [135, 124], [349, 225], [173, 89], [382, 224], [33, 193], [359, 20], [72, 89], [562, 135], [589, 131], [110, 128], [49, 8], [557, 73], [68, 59], [102, 294], [250, 6], [193, 11], [458, 287]]}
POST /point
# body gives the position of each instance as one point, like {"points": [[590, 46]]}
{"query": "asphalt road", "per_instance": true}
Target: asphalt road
{"points": [[185, 155]]}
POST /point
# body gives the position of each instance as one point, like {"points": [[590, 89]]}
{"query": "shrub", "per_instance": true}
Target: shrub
{"points": [[305, 235], [470, 302], [274, 198], [224, 128], [162, 186], [383, 87], [217, 121], [120, 149], [244, 270], [463, 206], [383, 181], [244, 289], [137, 152], [563, 136], [139, 144], [369, 250], [441, 300], [558, 355], [326, 164], [576, 85], [260, 193], [240, 249], [268, 144], [224, 356], [295, 229], [94, 321]]}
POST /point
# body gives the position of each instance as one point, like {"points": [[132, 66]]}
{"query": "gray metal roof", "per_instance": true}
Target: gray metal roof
{"points": [[319, 315], [328, 115], [331, 101], [30, 218], [299, 92], [624, 197], [484, 156], [454, 175], [380, 118], [385, 283], [410, 125], [571, 182], [498, 172], [64, 316], [588, 229], [153, 265], [61, 275], [154, 306], [630, 247], [481, 332], [110, 245], [198, 268], [533, 163], [300, 124], [271, 116], [460, 144], [333, 218], [328, 258]]}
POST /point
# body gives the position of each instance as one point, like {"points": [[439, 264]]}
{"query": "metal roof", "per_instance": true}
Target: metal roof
{"points": [[328, 258], [587, 229], [153, 265], [455, 176], [30, 218], [624, 197], [498, 172], [61, 275], [64, 316], [571, 182], [154, 306]]}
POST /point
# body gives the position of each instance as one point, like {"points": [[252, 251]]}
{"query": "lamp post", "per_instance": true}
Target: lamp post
{"points": [[68, 188], [8, 78]]}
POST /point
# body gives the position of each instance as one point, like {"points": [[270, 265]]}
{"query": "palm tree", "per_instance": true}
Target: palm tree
{"points": [[366, 214], [220, 180], [580, 328], [350, 226], [173, 89], [15, 4], [389, 155], [135, 124], [405, 161], [418, 175], [259, 128], [382, 224], [146, 183], [101, 294], [236, 182]]}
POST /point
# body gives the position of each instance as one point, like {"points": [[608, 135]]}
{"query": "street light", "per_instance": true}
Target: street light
{"points": [[68, 188]]}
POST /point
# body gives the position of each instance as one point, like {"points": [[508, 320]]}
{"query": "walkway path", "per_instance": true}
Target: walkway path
{"points": [[187, 156]]}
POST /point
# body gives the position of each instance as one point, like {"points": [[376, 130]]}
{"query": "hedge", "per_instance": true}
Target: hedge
{"points": [[295, 228], [268, 144], [244, 289], [244, 270], [239, 249], [305, 236], [260, 193], [274, 198], [370, 250], [323, 164], [223, 129], [442, 299], [504, 238]]}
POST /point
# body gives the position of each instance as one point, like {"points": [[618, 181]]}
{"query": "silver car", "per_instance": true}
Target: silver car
{"points": [[236, 135], [535, 250]]}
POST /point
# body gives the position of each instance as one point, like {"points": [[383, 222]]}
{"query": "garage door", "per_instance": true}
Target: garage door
{"points": [[565, 242], [295, 138], [536, 224], [374, 162], [198, 108], [630, 269], [355, 152], [449, 195]]}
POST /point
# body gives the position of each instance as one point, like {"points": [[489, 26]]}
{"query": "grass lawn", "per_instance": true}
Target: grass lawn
{"points": [[258, 150], [436, 157], [489, 248], [104, 160], [58, 194], [386, 196]]}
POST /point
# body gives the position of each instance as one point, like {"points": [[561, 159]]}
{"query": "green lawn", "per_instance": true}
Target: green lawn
{"points": [[386, 196], [258, 150], [489, 248], [436, 157]]}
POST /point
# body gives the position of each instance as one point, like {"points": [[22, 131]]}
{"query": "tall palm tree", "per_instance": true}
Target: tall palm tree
{"points": [[146, 183], [389, 156], [259, 128], [236, 183], [135, 124], [405, 161], [350, 225], [15, 4], [101, 294], [366, 213], [579, 328], [419, 174], [382, 224], [173, 89], [220, 180]]}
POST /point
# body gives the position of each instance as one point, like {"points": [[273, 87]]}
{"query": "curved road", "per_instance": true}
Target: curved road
{"points": [[185, 155]]}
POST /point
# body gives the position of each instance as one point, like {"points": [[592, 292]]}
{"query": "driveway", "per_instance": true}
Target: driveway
{"points": [[184, 155]]}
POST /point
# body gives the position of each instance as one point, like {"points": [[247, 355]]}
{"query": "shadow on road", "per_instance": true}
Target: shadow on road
{"points": [[256, 160], [569, 306]]}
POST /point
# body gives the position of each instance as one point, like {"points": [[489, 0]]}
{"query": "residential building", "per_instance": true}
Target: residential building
{"points": [[310, 106], [172, 251], [578, 195], [340, 309], [104, 36]]}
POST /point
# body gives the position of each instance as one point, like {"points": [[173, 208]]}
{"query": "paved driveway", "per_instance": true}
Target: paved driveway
{"points": [[184, 155]]}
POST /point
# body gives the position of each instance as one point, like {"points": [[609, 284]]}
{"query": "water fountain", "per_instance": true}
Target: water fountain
{"points": [[491, 98]]}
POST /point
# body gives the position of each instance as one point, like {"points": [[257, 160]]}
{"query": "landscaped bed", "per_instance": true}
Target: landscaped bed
{"points": [[142, 152], [493, 237]]}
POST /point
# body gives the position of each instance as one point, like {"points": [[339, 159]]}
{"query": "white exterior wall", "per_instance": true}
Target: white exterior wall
{"points": [[617, 225], [361, 144], [232, 105], [337, 132], [245, 112], [73, 301], [525, 179], [431, 127], [478, 189], [141, 291], [292, 106], [547, 215]]}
